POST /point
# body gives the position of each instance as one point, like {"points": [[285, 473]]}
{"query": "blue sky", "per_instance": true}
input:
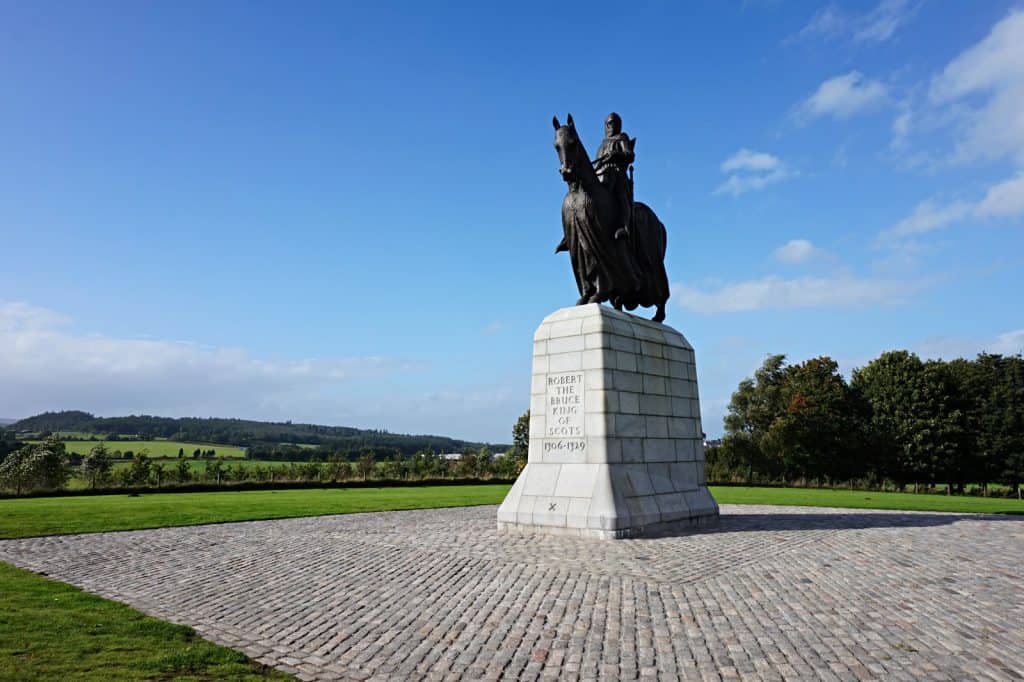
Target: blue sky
{"points": [[346, 213]]}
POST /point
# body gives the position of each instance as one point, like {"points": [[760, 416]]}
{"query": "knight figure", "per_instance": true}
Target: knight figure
{"points": [[613, 166]]}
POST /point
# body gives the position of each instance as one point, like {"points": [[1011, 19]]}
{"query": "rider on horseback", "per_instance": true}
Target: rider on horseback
{"points": [[614, 157]]}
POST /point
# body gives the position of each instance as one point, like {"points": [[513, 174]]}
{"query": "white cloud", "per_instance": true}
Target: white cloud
{"points": [[45, 365], [797, 251], [878, 25], [1002, 200], [993, 69], [750, 170], [842, 97], [747, 160], [805, 292]]}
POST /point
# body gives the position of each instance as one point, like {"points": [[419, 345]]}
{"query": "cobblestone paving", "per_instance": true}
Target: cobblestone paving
{"points": [[775, 593]]}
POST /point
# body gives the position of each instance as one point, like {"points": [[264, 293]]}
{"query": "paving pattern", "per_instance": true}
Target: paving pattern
{"points": [[775, 593]]}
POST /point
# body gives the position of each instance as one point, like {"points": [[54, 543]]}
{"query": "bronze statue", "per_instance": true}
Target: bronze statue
{"points": [[614, 157], [616, 245]]}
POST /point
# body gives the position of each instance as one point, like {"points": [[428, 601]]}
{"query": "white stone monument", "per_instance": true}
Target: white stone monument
{"points": [[616, 446]]}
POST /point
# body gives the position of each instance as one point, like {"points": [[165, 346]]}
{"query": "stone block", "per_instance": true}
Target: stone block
{"points": [[661, 480], [634, 479], [603, 449], [658, 405], [628, 381], [579, 508], [564, 344], [630, 426], [656, 427], [614, 430], [654, 385], [565, 362], [632, 449], [659, 450], [629, 403]]}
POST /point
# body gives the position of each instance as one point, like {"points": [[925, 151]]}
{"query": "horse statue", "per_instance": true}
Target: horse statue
{"points": [[623, 267]]}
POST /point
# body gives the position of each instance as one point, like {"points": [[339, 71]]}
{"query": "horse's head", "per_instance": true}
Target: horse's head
{"points": [[569, 148]]}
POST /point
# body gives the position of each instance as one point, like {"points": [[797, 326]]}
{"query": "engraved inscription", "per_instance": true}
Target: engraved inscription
{"points": [[564, 401]]}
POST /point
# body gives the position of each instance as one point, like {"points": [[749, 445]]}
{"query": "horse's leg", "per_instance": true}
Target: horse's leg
{"points": [[660, 315]]}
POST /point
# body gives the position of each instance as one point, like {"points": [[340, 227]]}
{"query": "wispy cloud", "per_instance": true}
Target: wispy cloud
{"points": [[1002, 200], [842, 97], [949, 347], [749, 170], [879, 24], [777, 293]]}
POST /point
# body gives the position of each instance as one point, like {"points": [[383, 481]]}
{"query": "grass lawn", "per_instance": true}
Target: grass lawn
{"points": [[56, 515], [862, 499], [52, 631]]}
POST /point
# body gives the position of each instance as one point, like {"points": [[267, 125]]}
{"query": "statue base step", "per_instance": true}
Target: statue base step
{"points": [[616, 446]]}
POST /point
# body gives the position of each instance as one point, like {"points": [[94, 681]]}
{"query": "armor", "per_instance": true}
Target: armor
{"points": [[613, 168]]}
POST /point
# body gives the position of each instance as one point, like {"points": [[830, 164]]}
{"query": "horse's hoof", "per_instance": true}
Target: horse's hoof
{"points": [[582, 300]]}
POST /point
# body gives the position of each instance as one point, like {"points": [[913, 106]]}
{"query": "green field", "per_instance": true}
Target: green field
{"points": [[155, 448], [53, 515]]}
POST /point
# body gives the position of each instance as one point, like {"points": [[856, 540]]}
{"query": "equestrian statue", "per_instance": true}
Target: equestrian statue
{"points": [[616, 245]]}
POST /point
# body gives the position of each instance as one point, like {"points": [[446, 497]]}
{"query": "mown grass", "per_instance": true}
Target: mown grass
{"points": [[52, 631], [29, 517], [55, 515], [863, 499]]}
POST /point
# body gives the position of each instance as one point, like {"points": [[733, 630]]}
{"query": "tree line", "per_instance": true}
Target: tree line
{"points": [[47, 466], [239, 432], [900, 421]]}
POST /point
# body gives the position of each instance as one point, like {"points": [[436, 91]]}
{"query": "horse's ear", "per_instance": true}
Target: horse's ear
{"points": [[554, 122], [632, 144], [568, 121]]}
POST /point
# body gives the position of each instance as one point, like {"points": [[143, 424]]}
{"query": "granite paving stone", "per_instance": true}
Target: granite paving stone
{"points": [[772, 593]]}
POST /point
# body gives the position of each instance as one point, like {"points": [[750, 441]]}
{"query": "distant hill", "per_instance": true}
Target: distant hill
{"points": [[5, 422], [242, 432]]}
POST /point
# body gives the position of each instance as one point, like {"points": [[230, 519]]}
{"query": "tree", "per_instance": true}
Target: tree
{"points": [[755, 404], [183, 472], [520, 449], [214, 470], [96, 465], [916, 425], [1000, 424], [367, 465], [818, 434], [181, 452], [36, 466], [139, 471]]}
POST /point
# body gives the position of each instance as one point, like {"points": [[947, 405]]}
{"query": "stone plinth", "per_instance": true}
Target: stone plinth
{"points": [[616, 446]]}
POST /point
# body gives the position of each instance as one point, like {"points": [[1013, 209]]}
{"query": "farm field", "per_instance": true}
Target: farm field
{"points": [[27, 517], [155, 448]]}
